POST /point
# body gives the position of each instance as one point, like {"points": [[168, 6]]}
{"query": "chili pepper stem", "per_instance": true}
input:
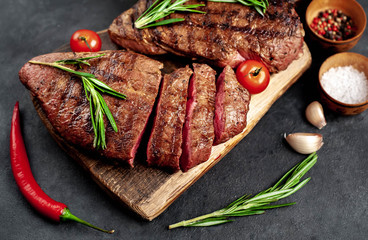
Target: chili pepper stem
{"points": [[67, 215]]}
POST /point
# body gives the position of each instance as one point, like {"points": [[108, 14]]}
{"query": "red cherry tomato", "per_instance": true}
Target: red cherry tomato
{"points": [[85, 40], [253, 75]]}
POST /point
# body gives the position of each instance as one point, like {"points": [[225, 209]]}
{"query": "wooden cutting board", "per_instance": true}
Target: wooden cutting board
{"points": [[149, 191]]}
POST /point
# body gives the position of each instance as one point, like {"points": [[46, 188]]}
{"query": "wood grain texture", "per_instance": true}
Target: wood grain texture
{"points": [[149, 191]]}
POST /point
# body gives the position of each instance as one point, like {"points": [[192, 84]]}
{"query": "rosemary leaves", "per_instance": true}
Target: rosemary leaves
{"points": [[246, 205], [93, 89], [160, 10]]}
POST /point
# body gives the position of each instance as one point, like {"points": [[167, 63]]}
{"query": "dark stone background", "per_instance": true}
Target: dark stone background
{"points": [[333, 205]]}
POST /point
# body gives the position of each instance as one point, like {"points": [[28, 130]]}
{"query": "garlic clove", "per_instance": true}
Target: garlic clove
{"points": [[305, 143], [314, 114]]}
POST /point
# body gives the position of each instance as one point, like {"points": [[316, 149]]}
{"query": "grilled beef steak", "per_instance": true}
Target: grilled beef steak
{"points": [[164, 145], [232, 105], [228, 34], [198, 132], [63, 100]]}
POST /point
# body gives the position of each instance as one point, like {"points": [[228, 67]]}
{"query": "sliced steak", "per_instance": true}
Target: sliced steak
{"points": [[63, 100], [198, 132], [164, 146], [228, 34], [232, 105]]}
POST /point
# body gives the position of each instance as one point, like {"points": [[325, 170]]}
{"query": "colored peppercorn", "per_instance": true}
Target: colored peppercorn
{"points": [[27, 184], [333, 24]]}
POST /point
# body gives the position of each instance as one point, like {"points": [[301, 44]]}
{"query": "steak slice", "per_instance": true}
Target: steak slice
{"points": [[63, 100], [232, 106], [228, 34], [164, 145], [198, 132]]}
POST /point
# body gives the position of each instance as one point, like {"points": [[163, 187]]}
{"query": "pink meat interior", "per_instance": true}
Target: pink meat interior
{"points": [[185, 160], [219, 123]]}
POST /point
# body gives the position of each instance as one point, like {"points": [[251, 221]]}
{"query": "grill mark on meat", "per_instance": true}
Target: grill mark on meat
{"points": [[245, 29], [174, 38], [119, 23], [226, 25], [131, 63], [68, 90], [209, 49], [129, 121], [53, 83], [212, 35], [190, 34], [76, 117], [157, 33], [123, 30], [135, 16], [66, 94]]}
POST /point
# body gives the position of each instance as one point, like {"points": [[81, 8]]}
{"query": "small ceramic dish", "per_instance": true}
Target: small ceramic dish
{"points": [[349, 7], [355, 60]]}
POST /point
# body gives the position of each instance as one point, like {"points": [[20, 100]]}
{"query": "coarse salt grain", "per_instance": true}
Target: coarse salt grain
{"points": [[346, 84]]}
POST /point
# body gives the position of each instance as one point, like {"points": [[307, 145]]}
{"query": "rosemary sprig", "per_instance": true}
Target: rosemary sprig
{"points": [[159, 10], [259, 5], [92, 88], [247, 205]]}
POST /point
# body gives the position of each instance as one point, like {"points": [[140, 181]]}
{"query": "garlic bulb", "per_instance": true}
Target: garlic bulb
{"points": [[314, 114], [305, 143]]}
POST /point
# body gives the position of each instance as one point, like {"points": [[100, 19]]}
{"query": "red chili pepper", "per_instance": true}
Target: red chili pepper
{"points": [[27, 184]]}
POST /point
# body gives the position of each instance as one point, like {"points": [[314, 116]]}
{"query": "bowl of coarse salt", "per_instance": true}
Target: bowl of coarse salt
{"points": [[343, 83]]}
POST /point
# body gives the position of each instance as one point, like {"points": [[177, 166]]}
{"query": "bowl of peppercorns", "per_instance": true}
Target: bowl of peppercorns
{"points": [[337, 25]]}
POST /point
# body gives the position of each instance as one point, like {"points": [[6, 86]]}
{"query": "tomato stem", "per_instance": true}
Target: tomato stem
{"points": [[256, 72], [84, 39]]}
